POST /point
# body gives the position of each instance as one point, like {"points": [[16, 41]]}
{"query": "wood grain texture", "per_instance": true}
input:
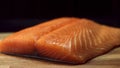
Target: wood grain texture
{"points": [[109, 60]]}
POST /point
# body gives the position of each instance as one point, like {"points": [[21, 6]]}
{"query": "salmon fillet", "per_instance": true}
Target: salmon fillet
{"points": [[70, 40]]}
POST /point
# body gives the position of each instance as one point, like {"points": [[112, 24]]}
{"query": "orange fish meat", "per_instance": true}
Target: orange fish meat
{"points": [[69, 40]]}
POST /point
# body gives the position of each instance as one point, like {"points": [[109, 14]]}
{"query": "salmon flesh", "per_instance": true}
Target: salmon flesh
{"points": [[68, 39]]}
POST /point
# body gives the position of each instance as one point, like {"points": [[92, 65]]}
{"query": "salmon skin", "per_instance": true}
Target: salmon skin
{"points": [[68, 39]]}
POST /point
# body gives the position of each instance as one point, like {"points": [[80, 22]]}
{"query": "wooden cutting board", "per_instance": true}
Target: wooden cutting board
{"points": [[109, 60]]}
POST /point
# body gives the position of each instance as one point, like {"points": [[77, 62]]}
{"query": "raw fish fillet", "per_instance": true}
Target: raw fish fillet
{"points": [[69, 40]]}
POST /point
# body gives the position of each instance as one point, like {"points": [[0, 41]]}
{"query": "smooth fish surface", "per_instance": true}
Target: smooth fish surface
{"points": [[70, 40]]}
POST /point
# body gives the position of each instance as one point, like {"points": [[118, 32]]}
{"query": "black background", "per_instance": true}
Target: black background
{"points": [[18, 14]]}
